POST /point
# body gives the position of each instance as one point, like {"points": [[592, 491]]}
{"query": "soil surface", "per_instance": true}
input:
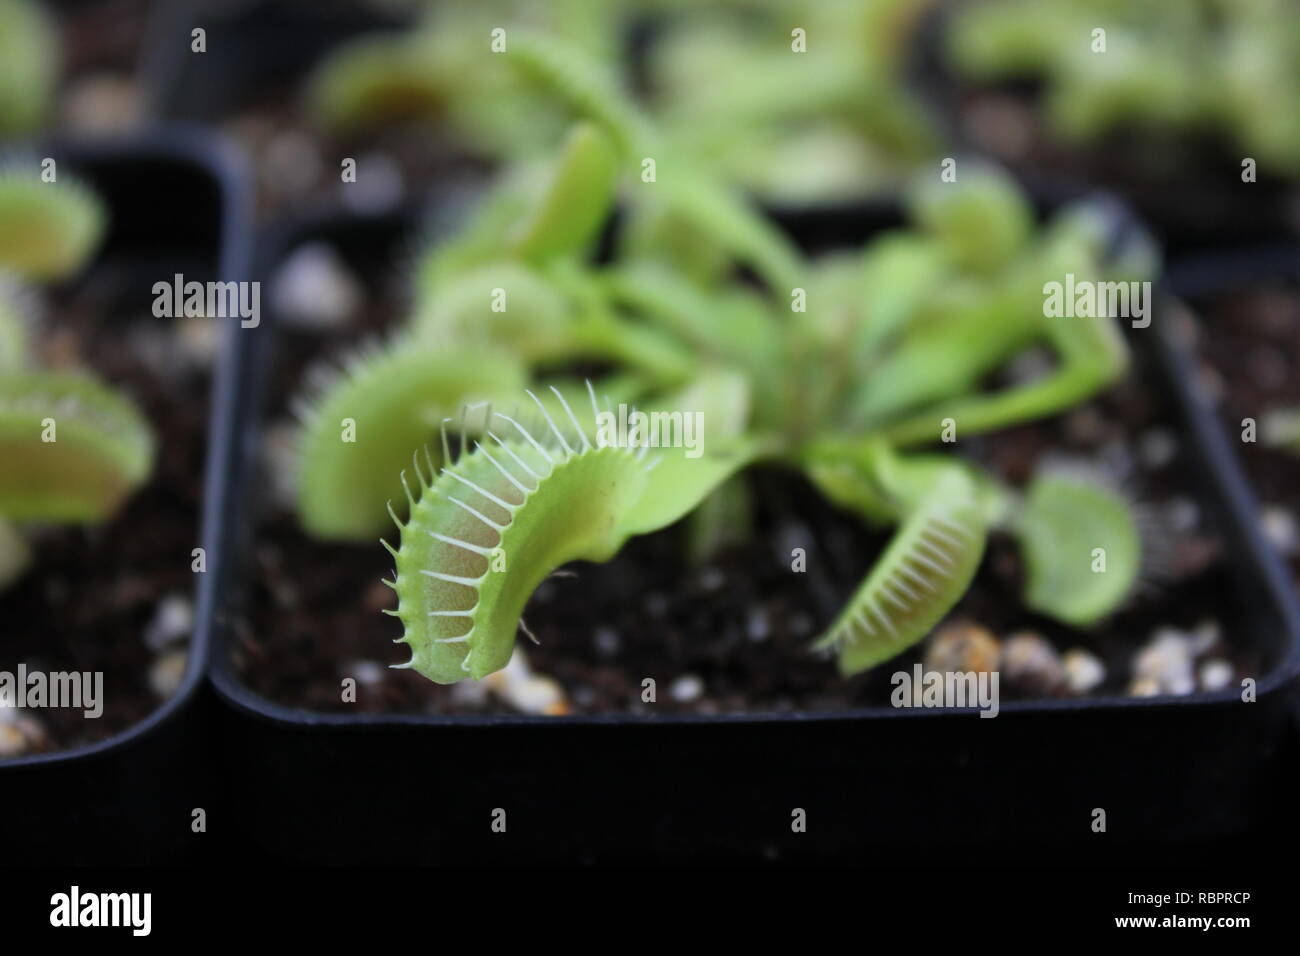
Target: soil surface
{"points": [[733, 634], [1249, 348]]}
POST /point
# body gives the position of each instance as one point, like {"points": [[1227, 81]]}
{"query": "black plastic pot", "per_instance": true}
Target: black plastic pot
{"points": [[253, 46], [1175, 775], [176, 203]]}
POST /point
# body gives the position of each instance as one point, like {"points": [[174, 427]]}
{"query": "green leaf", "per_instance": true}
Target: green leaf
{"points": [[568, 218], [1081, 548], [583, 85], [709, 206]]}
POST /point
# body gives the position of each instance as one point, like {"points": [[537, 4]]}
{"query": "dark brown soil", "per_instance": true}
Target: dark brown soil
{"points": [[741, 624], [103, 37], [1249, 348], [85, 603]]}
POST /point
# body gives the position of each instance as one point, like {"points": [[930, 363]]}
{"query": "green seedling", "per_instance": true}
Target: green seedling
{"points": [[29, 63], [844, 369], [48, 230]]}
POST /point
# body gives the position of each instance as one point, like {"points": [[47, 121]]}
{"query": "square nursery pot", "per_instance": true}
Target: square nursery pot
{"points": [[1175, 774], [176, 204]]}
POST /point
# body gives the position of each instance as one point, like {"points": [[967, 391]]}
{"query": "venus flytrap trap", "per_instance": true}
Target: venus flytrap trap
{"points": [[360, 423], [74, 448], [489, 529], [49, 228]]}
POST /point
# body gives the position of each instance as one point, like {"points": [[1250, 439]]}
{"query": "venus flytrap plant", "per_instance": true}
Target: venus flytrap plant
{"points": [[844, 390]]}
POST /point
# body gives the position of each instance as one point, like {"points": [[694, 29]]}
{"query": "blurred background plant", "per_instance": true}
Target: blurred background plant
{"points": [[1226, 69], [718, 78], [72, 447]]}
